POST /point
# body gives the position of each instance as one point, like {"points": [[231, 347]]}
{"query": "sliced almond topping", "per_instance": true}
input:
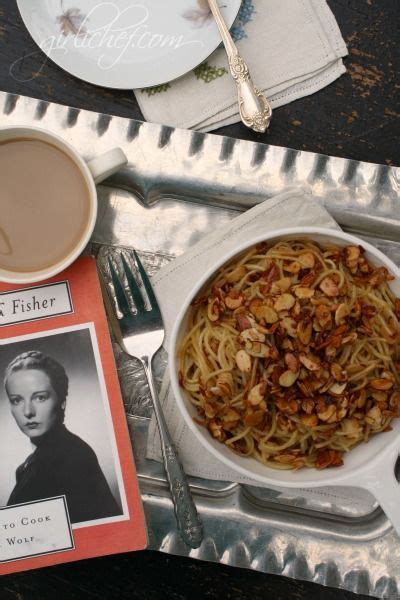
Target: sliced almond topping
{"points": [[284, 302], [292, 362], [254, 418], [257, 393], [223, 385], [216, 431], [328, 415], [309, 420], [209, 410], [381, 384], [350, 426], [253, 335], [262, 311], [304, 332], [288, 378], [304, 292], [341, 313], [230, 416], [352, 254], [374, 417], [244, 321], [282, 285], [338, 372], [323, 316], [287, 407], [213, 309], [329, 287], [234, 303], [243, 361], [337, 389], [380, 396], [293, 267], [361, 399], [307, 260], [290, 326], [308, 405], [310, 362]]}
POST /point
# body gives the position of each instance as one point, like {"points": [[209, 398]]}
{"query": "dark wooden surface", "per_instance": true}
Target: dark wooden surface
{"points": [[356, 117]]}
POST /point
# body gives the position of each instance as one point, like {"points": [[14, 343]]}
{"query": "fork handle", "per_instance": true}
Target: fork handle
{"points": [[186, 515]]}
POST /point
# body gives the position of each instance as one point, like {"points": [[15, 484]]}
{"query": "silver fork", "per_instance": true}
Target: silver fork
{"points": [[140, 335]]}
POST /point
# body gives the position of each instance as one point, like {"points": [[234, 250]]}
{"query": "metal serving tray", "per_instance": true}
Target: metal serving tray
{"points": [[178, 186]]}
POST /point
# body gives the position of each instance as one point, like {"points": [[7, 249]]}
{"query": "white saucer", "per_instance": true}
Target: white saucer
{"points": [[125, 44]]}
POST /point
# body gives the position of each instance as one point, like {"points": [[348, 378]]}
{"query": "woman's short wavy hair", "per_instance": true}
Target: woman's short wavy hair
{"points": [[33, 359]]}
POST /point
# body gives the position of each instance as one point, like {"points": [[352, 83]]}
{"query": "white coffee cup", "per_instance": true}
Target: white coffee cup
{"points": [[93, 172]]}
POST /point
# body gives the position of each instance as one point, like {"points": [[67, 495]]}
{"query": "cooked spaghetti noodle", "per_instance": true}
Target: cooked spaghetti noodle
{"points": [[292, 353]]}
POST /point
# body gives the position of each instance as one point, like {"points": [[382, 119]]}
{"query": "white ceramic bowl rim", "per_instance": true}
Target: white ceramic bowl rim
{"points": [[389, 442]]}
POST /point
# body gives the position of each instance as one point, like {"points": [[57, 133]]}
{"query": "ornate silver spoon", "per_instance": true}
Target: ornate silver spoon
{"points": [[254, 108]]}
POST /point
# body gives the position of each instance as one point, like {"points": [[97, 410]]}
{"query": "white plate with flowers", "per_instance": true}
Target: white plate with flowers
{"points": [[125, 44]]}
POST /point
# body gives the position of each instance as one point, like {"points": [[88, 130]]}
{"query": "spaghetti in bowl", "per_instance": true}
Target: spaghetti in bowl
{"points": [[286, 355]]}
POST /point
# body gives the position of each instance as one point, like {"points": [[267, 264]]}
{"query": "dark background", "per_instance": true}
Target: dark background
{"points": [[355, 117]]}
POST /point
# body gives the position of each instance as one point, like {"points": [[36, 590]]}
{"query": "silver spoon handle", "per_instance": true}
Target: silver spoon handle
{"points": [[254, 108], [188, 520]]}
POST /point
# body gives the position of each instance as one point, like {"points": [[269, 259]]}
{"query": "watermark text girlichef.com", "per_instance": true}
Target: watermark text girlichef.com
{"points": [[112, 40]]}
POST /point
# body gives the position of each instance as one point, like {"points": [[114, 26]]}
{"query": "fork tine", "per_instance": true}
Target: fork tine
{"points": [[147, 285], [119, 291], [133, 286]]}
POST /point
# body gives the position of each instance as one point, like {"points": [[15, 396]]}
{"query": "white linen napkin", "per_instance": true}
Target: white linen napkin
{"points": [[172, 284], [293, 48]]}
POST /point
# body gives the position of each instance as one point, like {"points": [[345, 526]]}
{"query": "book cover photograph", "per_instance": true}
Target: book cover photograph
{"points": [[68, 486]]}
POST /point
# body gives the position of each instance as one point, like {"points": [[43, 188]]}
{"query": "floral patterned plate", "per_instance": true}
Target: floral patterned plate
{"points": [[125, 43]]}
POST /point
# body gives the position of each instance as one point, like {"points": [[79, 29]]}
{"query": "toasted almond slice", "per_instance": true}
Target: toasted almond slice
{"points": [[230, 416], [209, 410], [293, 267], [257, 393], [374, 417], [213, 309], [282, 285], [243, 361], [329, 287], [328, 415], [269, 314], [304, 332], [253, 335], [309, 420], [337, 389], [304, 292], [381, 384], [352, 254], [307, 260], [234, 303], [310, 362], [338, 372], [292, 362], [288, 378], [290, 326], [284, 302], [350, 426], [323, 316], [341, 313]]}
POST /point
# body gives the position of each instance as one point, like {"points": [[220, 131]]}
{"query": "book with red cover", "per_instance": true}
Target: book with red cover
{"points": [[68, 487]]}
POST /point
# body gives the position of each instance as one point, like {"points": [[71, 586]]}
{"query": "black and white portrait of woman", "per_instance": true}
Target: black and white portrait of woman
{"points": [[52, 392]]}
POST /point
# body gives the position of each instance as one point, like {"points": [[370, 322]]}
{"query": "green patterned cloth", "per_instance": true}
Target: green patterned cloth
{"points": [[293, 48]]}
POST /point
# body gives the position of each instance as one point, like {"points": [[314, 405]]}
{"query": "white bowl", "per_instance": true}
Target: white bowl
{"points": [[370, 466]]}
